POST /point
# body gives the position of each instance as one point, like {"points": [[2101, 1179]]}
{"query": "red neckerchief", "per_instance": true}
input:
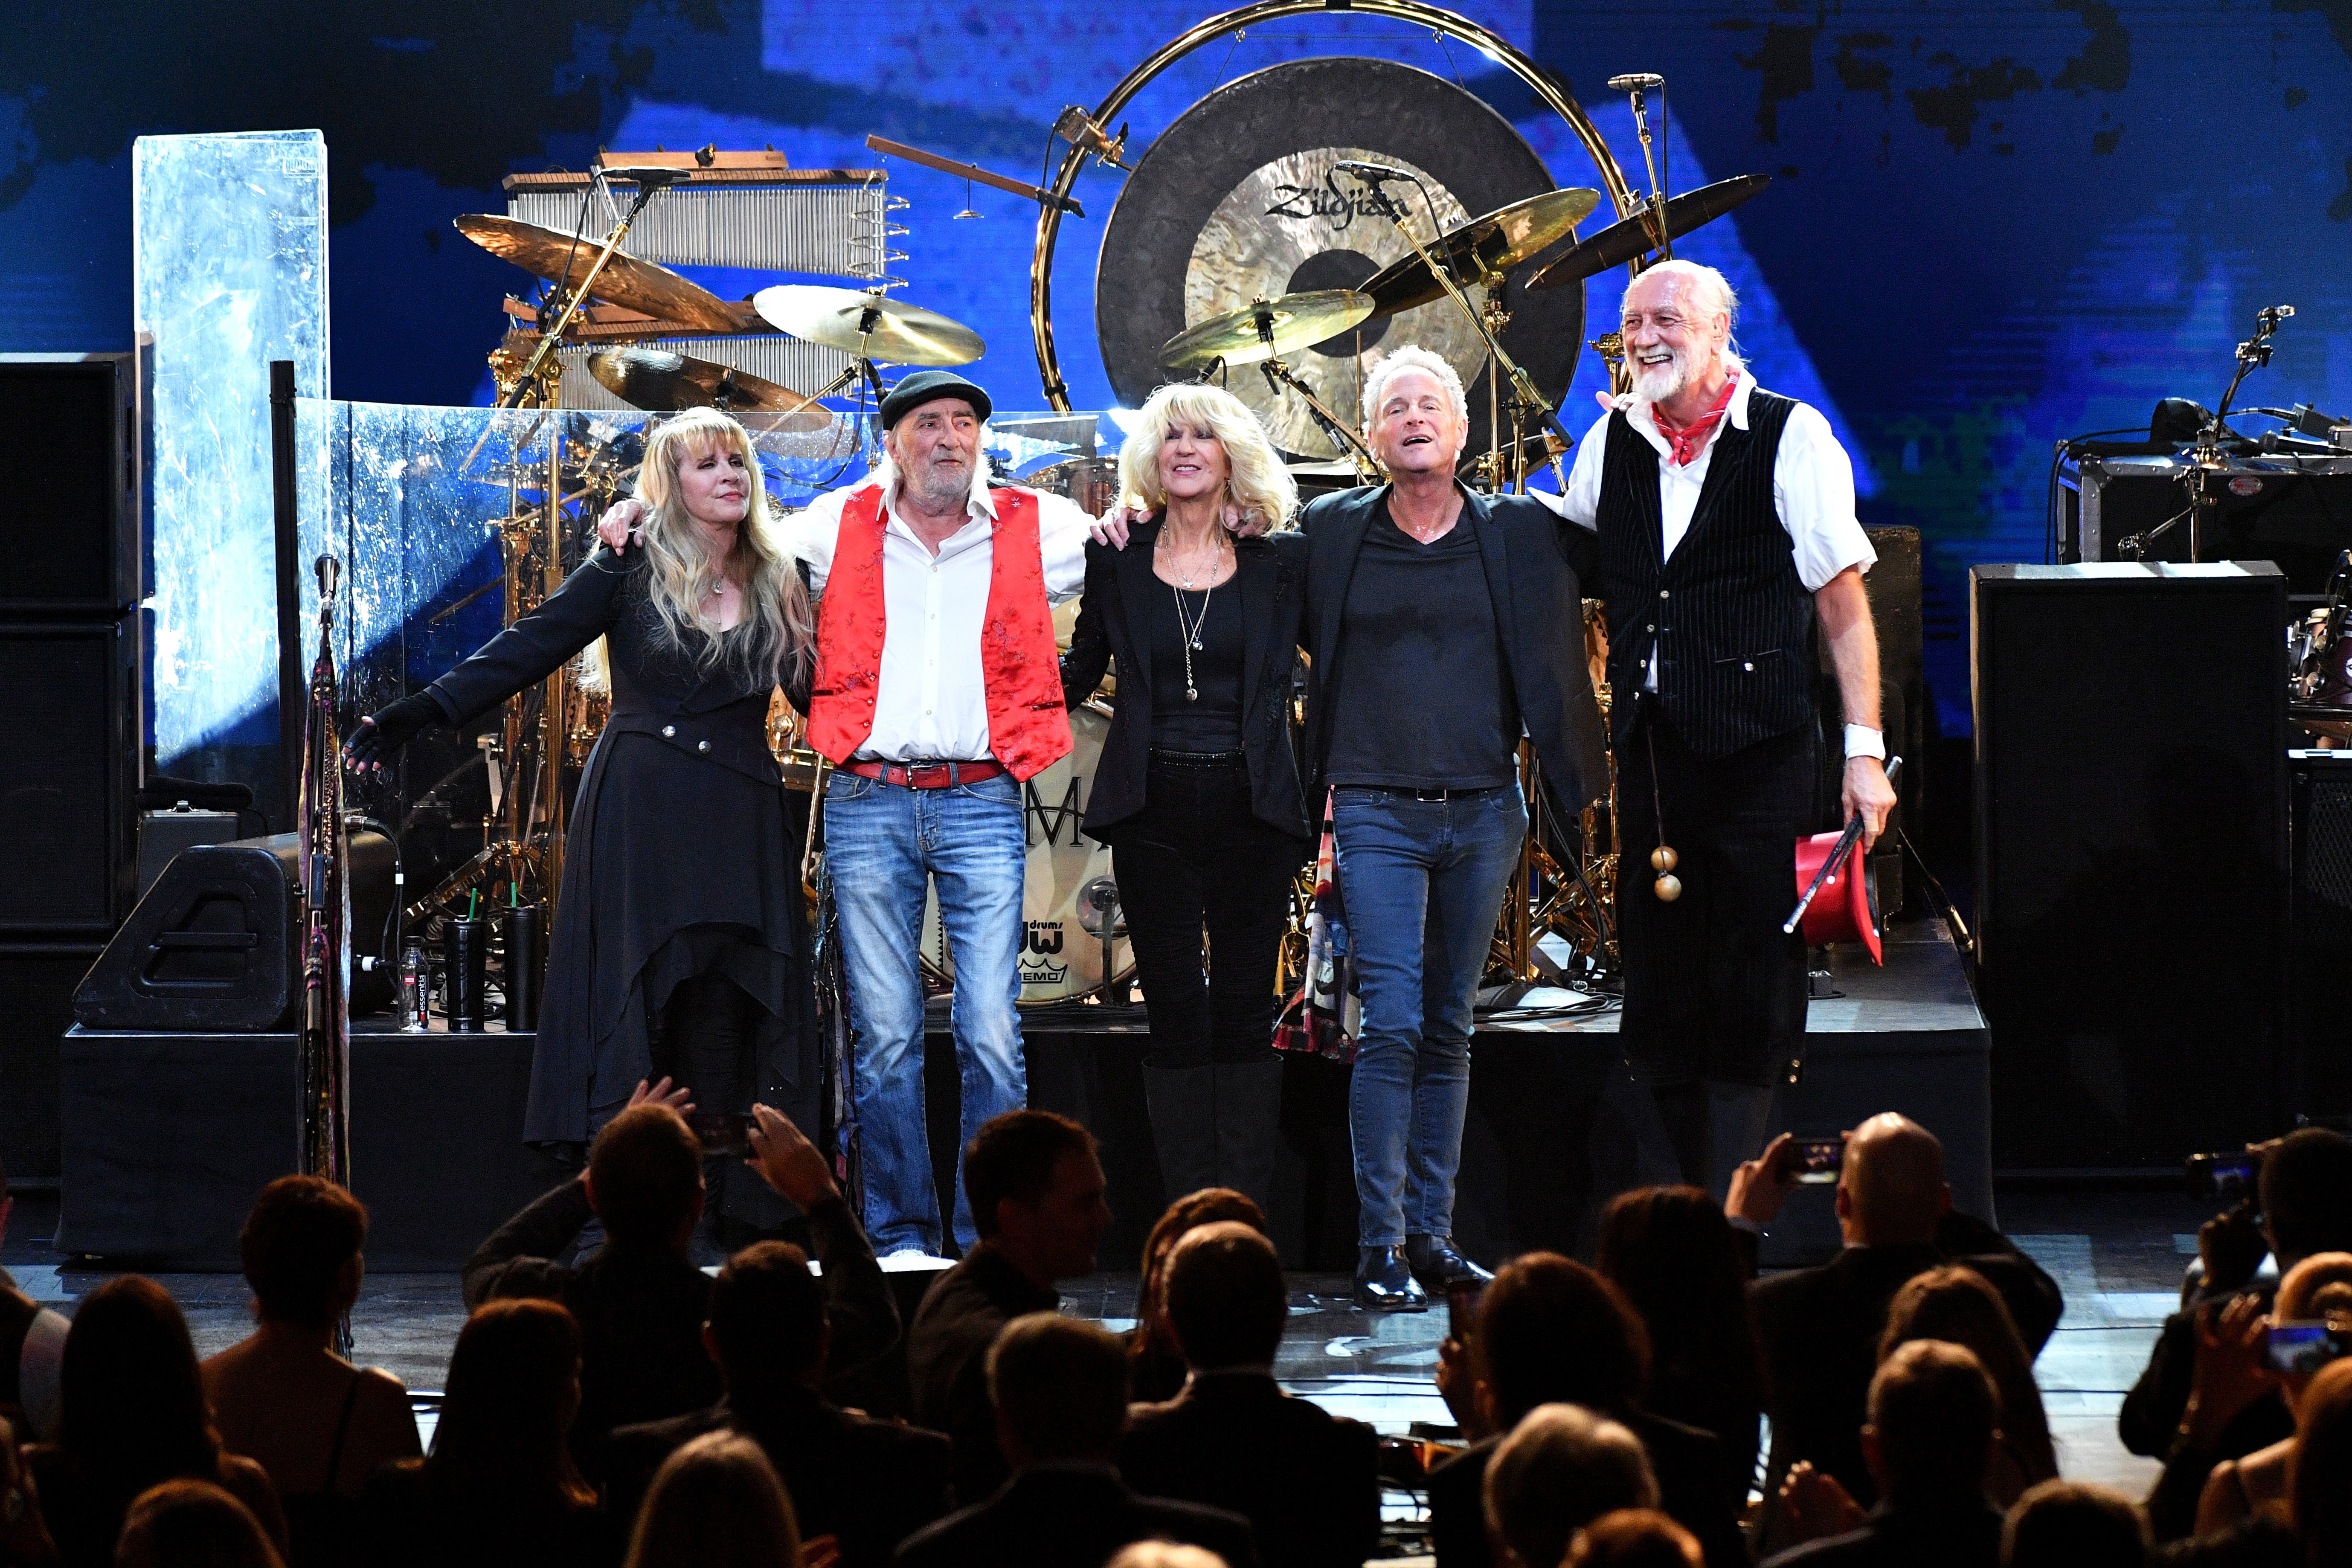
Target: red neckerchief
{"points": [[1689, 440]]}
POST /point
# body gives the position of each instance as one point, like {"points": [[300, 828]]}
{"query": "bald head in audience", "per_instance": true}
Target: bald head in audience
{"points": [[1891, 1188]]}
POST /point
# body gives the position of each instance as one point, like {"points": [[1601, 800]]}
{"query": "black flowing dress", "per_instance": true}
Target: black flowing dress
{"points": [[680, 861]]}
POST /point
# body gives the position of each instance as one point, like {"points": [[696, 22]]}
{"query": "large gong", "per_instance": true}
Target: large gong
{"points": [[1238, 199]]}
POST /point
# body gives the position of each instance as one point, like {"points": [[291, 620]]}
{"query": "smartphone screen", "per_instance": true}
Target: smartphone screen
{"points": [[722, 1131], [1462, 1298], [1814, 1161], [2305, 1347]]}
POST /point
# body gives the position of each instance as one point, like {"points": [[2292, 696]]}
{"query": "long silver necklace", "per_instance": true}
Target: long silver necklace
{"points": [[1189, 626]]}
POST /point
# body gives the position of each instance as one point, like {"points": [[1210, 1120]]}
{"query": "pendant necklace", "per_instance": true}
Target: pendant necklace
{"points": [[1188, 631]]}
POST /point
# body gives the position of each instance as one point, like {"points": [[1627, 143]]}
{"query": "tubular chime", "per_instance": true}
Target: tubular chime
{"points": [[326, 1046]]}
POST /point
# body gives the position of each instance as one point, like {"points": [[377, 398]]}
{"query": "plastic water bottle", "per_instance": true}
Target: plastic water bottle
{"points": [[412, 989]]}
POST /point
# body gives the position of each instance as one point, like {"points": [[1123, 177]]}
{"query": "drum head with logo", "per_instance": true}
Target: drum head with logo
{"points": [[1238, 200]]}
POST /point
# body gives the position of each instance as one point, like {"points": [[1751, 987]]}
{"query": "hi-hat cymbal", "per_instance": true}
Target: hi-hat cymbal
{"points": [[1265, 328], [871, 326], [632, 284], [657, 378], [1484, 248], [1629, 238]]}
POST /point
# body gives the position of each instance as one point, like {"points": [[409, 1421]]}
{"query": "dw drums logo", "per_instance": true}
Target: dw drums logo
{"points": [[1041, 948]]}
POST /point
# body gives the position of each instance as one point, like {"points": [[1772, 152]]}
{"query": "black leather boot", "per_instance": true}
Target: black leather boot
{"points": [[1436, 1265], [1182, 1104], [1249, 1127], [1384, 1281]]}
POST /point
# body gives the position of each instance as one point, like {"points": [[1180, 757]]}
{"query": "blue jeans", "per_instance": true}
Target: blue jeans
{"points": [[1422, 883], [884, 843]]}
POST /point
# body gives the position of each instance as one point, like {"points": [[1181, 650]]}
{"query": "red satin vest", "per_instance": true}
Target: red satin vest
{"points": [[1021, 672]]}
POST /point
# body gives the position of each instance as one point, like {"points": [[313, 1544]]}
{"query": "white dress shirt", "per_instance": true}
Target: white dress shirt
{"points": [[933, 704], [1813, 489]]}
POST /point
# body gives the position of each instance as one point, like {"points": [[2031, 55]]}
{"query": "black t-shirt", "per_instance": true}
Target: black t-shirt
{"points": [[1211, 720], [1425, 698]]}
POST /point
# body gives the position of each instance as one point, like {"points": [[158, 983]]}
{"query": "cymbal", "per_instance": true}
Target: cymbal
{"points": [[625, 281], [871, 326], [657, 378], [1294, 320], [1484, 248], [1629, 238]]}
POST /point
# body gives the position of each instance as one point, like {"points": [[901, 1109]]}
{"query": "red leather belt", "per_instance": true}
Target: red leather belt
{"points": [[925, 776]]}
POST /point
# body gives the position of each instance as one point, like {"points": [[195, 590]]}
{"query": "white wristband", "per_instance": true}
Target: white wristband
{"points": [[1861, 741]]}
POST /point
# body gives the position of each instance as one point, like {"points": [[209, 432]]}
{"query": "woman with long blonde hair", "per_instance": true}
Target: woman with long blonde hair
{"points": [[1198, 791], [680, 942]]}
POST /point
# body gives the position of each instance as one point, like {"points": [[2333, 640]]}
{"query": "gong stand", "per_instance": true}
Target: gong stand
{"points": [[1542, 83]]}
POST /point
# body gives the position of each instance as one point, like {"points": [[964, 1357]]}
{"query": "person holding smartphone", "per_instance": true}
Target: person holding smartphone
{"points": [[2308, 1327]]}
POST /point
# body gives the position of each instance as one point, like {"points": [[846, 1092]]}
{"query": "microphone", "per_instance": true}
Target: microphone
{"points": [[1639, 81], [1076, 127], [1375, 172], [645, 178]]}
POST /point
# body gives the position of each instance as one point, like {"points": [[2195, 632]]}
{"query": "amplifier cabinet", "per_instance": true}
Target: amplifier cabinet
{"points": [[2319, 931], [2131, 858], [2294, 513]]}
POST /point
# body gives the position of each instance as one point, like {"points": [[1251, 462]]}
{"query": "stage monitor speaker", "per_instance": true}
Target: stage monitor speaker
{"points": [[2131, 822], [2319, 932], [69, 769], [73, 535], [37, 985], [214, 947]]}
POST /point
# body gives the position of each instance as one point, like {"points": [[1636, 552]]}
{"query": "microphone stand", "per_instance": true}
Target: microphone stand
{"points": [[650, 182]]}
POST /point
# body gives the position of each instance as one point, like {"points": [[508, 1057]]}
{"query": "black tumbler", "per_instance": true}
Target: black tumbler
{"points": [[522, 925], [464, 948]]}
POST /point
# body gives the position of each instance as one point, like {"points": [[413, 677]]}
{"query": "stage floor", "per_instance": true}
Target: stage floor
{"points": [[2118, 1254]]}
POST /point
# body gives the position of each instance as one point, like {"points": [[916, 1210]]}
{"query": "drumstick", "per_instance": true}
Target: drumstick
{"points": [[1837, 857]]}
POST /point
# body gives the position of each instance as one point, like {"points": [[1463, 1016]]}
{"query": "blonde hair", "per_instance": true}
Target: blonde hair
{"points": [[772, 642], [715, 1503], [1256, 479], [1412, 357]]}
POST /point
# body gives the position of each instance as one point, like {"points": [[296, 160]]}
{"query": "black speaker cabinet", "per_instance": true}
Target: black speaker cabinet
{"points": [[2319, 932], [36, 986], [73, 533], [68, 771], [2131, 858], [213, 948]]}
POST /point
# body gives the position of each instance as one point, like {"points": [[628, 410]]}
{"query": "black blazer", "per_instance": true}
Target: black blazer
{"points": [[1536, 564], [1269, 577], [1071, 1516], [1306, 1481]]}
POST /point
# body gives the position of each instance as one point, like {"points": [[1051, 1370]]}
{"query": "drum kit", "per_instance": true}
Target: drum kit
{"points": [[1309, 254]]}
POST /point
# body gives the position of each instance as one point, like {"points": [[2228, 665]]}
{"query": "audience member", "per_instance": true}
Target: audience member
{"points": [[1682, 1265], [132, 1416], [1059, 1388], [1956, 1305], [715, 1503], [1933, 1417], [2317, 1531], [1561, 1468], [499, 1488], [1551, 1331], [190, 1523], [2304, 1208], [2072, 1524], [1634, 1538], [1819, 1328], [281, 1397], [1037, 1195], [865, 1484], [24, 1533], [32, 1348], [2317, 1289], [1307, 1482], [1155, 1366], [1164, 1555]]}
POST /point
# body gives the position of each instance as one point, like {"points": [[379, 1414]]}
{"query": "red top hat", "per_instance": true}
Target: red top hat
{"points": [[1846, 909]]}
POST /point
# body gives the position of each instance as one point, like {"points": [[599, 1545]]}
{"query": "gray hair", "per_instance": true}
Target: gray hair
{"points": [[1412, 357], [1709, 291]]}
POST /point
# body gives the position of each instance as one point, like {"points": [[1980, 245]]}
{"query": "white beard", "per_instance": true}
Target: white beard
{"points": [[1657, 383]]}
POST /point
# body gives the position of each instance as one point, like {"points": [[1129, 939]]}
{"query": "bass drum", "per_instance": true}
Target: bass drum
{"points": [[1069, 895]]}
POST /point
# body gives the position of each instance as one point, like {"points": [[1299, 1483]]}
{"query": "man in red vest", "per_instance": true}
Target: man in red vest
{"points": [[938, 694]]}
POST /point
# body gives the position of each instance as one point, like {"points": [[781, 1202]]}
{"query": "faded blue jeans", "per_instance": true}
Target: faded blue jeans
{"points": [[1423, 882], [883, 844]]}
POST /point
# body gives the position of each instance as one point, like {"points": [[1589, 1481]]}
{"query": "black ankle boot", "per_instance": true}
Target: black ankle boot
{"points": [[1436, 1265], [1384, 1281]]}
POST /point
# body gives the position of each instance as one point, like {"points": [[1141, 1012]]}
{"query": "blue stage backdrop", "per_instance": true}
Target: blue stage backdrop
{"points": [[1991, 226]]}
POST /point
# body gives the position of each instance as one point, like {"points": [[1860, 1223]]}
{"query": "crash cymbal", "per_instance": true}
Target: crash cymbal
{"points": [[1484, 248], [625, 281], [657, 378], [1629, 238], [871, 326], [1294, 320]]}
